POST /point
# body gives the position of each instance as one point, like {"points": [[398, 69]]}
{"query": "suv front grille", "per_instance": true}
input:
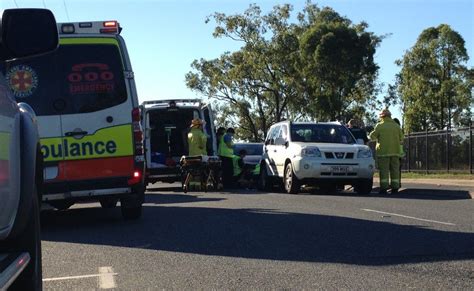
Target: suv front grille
{"points": [[338, 155]]}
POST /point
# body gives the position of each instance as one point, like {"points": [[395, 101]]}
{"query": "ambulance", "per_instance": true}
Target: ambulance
{"points": [[166, 125], [85, 98]]}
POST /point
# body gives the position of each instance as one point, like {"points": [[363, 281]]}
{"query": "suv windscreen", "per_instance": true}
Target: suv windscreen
{"points": [[74, 79], [322, 133]]}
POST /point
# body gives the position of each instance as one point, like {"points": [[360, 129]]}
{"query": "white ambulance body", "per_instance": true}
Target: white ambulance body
{"points": [[89, 119]]}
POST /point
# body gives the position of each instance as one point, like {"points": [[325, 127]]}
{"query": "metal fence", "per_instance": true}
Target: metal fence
{"points": [[439, 151]]}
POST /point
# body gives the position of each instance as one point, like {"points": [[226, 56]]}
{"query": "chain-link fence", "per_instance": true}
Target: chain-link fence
{"points": [[439, 151]]}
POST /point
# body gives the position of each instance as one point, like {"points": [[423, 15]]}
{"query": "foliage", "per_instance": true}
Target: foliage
{"points": [[434, 85], [319, 67]]}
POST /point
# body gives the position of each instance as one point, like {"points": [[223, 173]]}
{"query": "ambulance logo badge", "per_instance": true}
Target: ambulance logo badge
{"points": [[23, 80]]}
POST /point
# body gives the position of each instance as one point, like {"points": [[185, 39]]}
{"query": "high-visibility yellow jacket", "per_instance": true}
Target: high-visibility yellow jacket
{"points": [[236, 162], [197, 141], [389, 136], [225, 150]]}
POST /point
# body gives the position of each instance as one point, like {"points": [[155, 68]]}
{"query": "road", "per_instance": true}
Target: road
{"points": [[420, 238]]}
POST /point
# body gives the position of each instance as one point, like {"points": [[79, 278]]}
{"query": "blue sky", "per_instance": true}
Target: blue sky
{"points": [[164, 36]]}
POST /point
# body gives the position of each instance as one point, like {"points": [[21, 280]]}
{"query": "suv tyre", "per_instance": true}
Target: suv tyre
{"points": [[292, 184], [364, 187]]}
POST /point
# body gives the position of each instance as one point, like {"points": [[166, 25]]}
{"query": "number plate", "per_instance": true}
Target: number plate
{"points": [[339, 169]]}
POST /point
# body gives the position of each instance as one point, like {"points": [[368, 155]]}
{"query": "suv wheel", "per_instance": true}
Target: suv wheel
{"points": [[263, 183], [292, 184], [364, 187]]}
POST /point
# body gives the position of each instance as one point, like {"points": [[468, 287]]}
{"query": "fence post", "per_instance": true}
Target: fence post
{"points": [[447, 149], [426, 151], [470, 147], [408, 153]]}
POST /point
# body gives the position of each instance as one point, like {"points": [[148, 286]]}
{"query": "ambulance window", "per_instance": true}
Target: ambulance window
{"points": [[92, 77]]}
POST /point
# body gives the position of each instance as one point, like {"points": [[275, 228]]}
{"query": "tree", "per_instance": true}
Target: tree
{"points": [[434, 84], [338, 68], [320, 67]]}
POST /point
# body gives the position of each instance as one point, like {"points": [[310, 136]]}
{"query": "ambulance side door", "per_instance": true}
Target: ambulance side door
{"points": [[210, 130]]}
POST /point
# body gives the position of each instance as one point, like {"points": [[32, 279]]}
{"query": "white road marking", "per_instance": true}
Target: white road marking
{"points": [[409, 217], [106, 278], [75, 277]]}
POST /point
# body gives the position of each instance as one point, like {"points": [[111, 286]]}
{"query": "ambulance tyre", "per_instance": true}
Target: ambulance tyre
{"points": [[108, 203], [131, 206], [61, 204]]}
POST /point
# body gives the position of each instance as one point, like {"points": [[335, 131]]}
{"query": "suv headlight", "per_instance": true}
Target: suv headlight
{"points": [[312, 152], [364, 154]]}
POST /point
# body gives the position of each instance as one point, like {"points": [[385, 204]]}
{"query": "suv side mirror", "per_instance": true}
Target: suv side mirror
{"points": [[27, 32]]}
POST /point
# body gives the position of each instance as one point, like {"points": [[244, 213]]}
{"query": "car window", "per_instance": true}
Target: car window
{"points": [[273, 135], [75, 79], [323, 133]]}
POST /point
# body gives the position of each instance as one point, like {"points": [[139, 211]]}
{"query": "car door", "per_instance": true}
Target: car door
{"points": [[97, 116], [280, 150], [9, 157], [272, 150], [210, 130]]}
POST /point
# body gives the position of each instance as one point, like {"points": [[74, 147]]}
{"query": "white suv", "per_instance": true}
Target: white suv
{"points": [[323, 154]]}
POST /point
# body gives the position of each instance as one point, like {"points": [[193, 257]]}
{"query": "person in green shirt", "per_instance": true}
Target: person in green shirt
{"points": [[226, 153], [388, 135], [197, 140]]}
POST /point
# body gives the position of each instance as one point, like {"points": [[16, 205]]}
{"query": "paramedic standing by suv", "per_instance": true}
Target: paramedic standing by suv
{"points": [[389, 136]]}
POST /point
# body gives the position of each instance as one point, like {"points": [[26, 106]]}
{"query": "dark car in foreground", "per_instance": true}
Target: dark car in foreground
{"points": [[24, 33]]}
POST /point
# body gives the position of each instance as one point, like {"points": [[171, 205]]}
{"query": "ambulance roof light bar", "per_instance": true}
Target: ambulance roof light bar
{"points": [[106, 27]]}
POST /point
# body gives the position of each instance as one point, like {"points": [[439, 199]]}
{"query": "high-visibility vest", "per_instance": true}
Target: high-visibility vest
{"points": [[389, 136], [197, 141], [235, 162], [226, 151], [256, 171]]}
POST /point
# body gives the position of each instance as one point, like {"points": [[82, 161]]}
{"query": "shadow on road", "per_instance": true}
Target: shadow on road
{"points": [[405, 193], [259, 234], [178, 198]]}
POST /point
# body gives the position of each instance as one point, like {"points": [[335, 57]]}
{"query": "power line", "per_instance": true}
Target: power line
{"points": [[44, 4], [65, 8], [16, 4]]}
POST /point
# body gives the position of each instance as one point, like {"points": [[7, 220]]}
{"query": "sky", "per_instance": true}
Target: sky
{"points": [[164, 37]]}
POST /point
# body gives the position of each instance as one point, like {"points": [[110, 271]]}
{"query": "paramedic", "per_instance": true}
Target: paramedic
{"points": [[197, 140], [226, 154], [389, 137]]}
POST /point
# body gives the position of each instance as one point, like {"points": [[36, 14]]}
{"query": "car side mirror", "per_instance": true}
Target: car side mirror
{"points": [[360, 141], [27, 32]]}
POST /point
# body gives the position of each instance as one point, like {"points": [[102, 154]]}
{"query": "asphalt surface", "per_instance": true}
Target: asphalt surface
{"points": [[421, 238]]}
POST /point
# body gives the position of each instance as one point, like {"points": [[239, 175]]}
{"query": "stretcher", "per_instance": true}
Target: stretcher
{"points": [[203, 170]]}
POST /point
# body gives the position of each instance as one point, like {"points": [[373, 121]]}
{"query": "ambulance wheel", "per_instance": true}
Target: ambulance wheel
{"points": [[61, 205], [131, 206], [108, 203]]}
